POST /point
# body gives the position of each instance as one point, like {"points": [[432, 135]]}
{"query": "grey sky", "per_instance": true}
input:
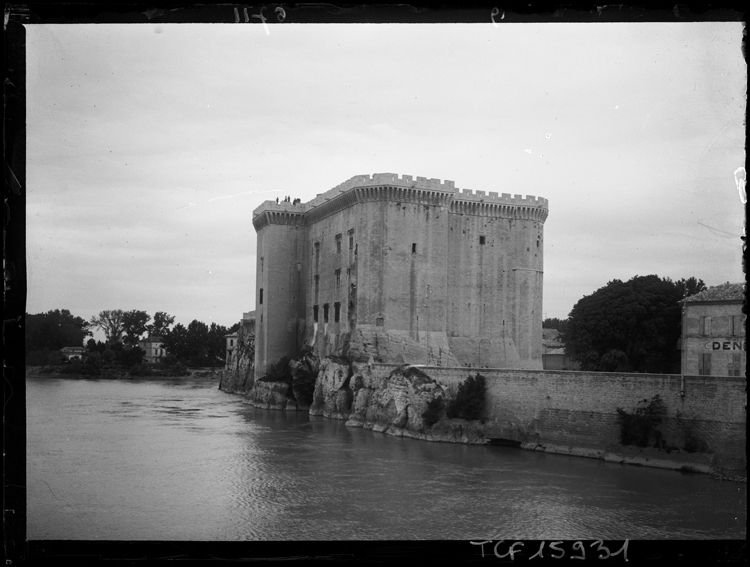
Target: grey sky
{"points": [[149, 146]]}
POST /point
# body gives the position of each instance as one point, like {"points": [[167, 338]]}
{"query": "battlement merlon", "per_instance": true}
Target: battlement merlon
{"points": [[406, 181], [504, 198]]}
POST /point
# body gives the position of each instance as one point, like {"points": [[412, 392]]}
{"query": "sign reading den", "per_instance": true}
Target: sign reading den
{"points": [[726, 345]]}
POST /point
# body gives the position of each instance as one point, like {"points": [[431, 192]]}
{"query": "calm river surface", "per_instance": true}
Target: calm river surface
{"points": [[180, 460]]}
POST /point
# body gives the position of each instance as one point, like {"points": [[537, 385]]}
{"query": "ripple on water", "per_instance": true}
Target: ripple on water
{"points": [[220, 469]]}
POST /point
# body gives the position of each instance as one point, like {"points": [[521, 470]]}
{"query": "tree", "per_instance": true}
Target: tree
{"points": [[54, 330], [134, 324], [161, 324], [197, 343], [690, 286], [217, 344], [629, 326], [470, 399], [176, 342], [111, 322]]}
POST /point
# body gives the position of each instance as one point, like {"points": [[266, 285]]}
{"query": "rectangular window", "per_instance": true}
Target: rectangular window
{"points": [[317, 287], [336, 312], [351, 239], [705, 326], [261, 296], [414, 248], [338, 279], [704, 365], [734, 365], [325, 313], [261, 264], [338, 244], [315, 313], [736, 325], [317, 256], [481, 240]]}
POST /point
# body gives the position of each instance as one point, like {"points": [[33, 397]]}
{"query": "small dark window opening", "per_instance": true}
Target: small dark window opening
{"points": [[261, 296], [336, 312], [338, 279], [315, 313], [481, 240], [338, 244], [325, 313], [413, 247]]}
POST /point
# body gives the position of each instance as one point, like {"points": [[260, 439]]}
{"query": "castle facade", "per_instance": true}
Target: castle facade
{"points": [[399, 269]]}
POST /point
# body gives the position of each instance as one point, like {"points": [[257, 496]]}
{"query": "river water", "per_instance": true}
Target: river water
{"points": [[181, 460]]}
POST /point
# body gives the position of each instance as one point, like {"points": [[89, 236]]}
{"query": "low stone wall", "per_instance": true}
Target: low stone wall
{"points": [[576, 412]]}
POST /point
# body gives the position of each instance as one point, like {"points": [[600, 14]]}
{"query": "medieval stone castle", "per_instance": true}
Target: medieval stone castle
{"points": [[397, 269]]}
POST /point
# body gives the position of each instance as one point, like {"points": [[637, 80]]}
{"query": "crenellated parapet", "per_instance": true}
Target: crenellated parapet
{"points": [[405, 188], [268, 213]]}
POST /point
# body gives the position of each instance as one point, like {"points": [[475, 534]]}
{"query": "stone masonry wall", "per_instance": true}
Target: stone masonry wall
{"points": [[579, 409]]}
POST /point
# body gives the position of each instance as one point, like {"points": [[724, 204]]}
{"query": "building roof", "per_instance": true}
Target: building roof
{"points": [[231, 335], [724, 292], [551, 339]]}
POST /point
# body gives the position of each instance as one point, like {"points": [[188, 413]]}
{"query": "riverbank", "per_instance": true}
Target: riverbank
{"points": [[566, 413], [120, 374]]}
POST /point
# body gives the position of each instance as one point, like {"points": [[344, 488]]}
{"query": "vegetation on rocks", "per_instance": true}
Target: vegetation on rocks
{"points": [[639, 427], [693, 443], [470, 399], [434, 411], [299, 373]]}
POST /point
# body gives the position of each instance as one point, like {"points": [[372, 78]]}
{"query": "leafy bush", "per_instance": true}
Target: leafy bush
{"points": [[693, 443], [639, 427], [278, 371], [177, 369], [434, 411], [108, 356], [37, 357], [470, 399], [80, 369]]}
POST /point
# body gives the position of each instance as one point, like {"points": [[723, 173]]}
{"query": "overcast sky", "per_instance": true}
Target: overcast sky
{"points": [[149, 146]]}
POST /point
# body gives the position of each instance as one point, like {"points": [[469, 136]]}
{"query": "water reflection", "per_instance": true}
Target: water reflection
{"points": [[180, 460]]}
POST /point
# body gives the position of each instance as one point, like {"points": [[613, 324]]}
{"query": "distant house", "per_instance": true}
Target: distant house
{"points": [[231, 344], [553, 352], [248, 318], [153, 348], [713, 337], [73, 352]]}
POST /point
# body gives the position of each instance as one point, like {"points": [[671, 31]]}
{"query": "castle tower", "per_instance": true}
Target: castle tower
{"points": [[280, 307], [402, 270]]}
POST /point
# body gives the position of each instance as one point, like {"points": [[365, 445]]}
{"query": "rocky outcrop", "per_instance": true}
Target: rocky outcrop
{"points": [[237, 377], [273, 395], [394, 404], [333, 394], [367, 341], [290, 387]]}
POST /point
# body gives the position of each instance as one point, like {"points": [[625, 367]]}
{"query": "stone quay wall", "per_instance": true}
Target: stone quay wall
{"points": [[576, 412]]}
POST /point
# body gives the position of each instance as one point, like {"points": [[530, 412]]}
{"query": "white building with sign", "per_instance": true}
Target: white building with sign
{"points": [[714, 332]]}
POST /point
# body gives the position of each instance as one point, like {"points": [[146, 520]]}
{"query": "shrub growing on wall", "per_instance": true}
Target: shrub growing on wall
{"points": [[434, 411], [693, 443], [639, 427], [470, 399], [278, 371]]}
